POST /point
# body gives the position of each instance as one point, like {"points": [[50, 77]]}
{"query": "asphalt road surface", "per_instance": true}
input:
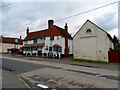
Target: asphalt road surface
{"points": [[50, 72], [12, 68], [21, 67]]}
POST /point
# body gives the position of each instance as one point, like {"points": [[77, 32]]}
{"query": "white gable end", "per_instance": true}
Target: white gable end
{"points": [[90, 42]]}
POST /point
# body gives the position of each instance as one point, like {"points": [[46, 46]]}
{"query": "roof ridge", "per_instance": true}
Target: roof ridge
{"points": [[58, 27], [46, 32], [10, 38], [39, 31]]}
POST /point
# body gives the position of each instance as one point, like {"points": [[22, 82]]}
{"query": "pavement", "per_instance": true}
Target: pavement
{"points": [[68, 61], [58, 78], [11, 80], [68, 67]]}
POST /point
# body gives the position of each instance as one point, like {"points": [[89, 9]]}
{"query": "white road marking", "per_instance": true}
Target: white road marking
{"points": [[43, 86]]}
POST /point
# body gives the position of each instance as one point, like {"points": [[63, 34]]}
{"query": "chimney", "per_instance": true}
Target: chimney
{"points": [[66, 27], [66, 40], [50, 23], [20, 37], [27, 31]]}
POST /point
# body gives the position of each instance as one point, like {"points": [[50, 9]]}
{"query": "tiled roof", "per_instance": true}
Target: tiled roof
{"points": [[33, 45], [53, 31], [10, 40]]}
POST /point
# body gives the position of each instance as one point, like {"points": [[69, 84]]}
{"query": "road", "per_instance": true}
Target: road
{"points": [[57, 75], [10, 79], [21, 67], [14, 68]]}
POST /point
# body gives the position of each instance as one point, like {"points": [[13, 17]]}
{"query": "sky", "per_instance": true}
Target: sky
{"points": [[20, 15]]}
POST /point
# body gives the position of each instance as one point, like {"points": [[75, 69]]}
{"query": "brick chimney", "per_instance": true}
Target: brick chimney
{"points": [[27, 31], [66, 40], [50, 23]]}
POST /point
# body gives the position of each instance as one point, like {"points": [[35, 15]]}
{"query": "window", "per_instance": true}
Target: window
{"points": [[30, 41], [44, 38], [57, 37], [16, 45], [16, 40], [34, 49], [25, 42], [88, 30], [39, 40], [54, 48], [50, 48], [35, 40], [59, 49], [25, 49], [52, 38]]}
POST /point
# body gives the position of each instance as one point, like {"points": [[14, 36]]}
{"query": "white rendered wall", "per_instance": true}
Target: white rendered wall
{"points": [[94, 45]]}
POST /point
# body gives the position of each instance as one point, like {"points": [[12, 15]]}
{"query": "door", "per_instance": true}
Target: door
{"points": [[50, 53]]}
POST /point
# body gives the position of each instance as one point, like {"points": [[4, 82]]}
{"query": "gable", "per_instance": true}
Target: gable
{"points": [[94, 29]]}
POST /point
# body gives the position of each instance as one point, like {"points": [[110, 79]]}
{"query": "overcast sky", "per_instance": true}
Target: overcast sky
{"points": [[34, 14]]}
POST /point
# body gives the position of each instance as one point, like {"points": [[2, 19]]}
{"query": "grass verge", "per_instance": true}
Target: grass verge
{"points": [[90, 61]]}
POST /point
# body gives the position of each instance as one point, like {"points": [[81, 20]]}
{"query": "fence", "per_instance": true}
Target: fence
{"points": [[114, 56]]}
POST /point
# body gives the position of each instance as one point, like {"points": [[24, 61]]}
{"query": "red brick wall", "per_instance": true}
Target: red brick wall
{"points": [[114, 56]]}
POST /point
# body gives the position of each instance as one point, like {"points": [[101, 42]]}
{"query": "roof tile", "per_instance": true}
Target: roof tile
{"points": [[53, 31], [10, 40]]}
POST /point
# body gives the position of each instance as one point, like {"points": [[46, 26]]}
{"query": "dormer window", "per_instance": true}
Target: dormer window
{"points": [[88, 30]]}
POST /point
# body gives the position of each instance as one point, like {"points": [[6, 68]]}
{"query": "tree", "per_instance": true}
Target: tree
{"points": [[116, 43], [115, 39]]}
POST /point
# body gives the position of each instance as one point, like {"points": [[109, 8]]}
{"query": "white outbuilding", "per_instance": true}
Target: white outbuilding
{"points": [[91, 42]]}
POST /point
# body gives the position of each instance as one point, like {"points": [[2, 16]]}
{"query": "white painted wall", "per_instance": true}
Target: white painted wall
{"points": [[94, 45], [48, 43]]}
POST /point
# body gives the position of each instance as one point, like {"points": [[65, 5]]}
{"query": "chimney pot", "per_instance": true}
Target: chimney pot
{"points": [[66, 27], [50, 23], [20, 37], [27, 31]]}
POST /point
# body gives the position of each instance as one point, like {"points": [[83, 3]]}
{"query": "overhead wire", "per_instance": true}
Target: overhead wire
{"points": [[72, 15]]}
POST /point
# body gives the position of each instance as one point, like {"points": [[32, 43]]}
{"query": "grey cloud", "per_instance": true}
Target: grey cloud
{"points": [[21, 12], [30, 12], [108, 21]]}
